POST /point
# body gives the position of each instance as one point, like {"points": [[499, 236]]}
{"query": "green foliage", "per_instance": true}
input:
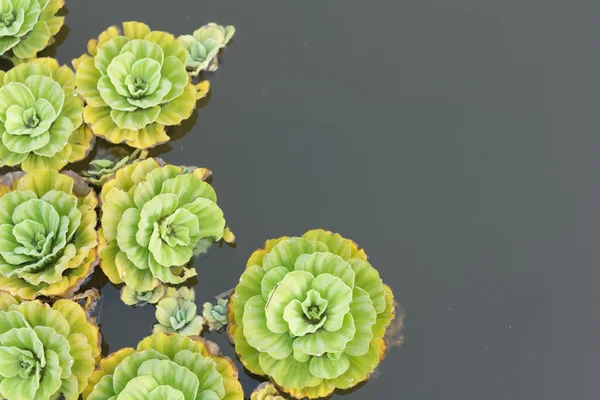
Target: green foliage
{"points": [[215, 315], [311, 313], [45, 352], [47, 233], [204, 45], [28, 26], [135, 84], [41, 116], [170, 367], [133, 298], [101, 170], [266, 391], [177, 315], [155, 218]]}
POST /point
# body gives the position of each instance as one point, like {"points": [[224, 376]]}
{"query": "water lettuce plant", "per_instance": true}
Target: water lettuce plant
{"points": [[48, 233], [46, 352], [135, 84], [155, 218], [266, 391], [41, 116], [134, 298], [100, 170], [204, 45], [28, 26], [215, 315], [164, 366], [311, 313], [177, 313]]}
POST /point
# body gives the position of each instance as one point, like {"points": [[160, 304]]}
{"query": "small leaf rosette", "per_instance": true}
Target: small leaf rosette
{"points": [[134, 85], [215, 314], [204, 45], [133, 298], [155, 218], [41, 117], [311, 313], [28, 26], [170, 367], [48, 239], [45, 352], [178, 315]]}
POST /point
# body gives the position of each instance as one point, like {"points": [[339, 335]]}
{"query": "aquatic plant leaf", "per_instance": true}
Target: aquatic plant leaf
{"points": [[40, 117], [204, 45], [43, 351], [135, 84], [48, 242], [27, 27], [154, 219], [172, 365], [310, 312]]}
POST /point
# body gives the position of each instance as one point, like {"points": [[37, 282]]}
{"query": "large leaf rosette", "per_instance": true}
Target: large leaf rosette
{"points": [[28, 26], [170, 367], [155, 218], [45, 351], [311, 313], [135, 84], [48, 240], [40, 117]]}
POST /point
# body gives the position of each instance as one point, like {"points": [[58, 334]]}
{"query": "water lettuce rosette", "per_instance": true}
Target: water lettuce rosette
{"points": [[135, 84], [155, 218], [311, 313], [134, 298], [28, 26], [46, 352], [48, 239], [203, 46], [215, 315], [178, 315], [41, 117], [170, 367]]}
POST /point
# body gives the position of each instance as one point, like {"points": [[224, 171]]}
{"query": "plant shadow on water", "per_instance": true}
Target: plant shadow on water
{"points": [[179, 131]]}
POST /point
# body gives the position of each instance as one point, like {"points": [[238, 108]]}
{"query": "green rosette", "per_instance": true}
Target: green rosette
{"points": [[178, 315], [41, 117], [266, 391], [155, 219], [45, 352], [203, 46], [48, 239], [170, 367], [135, 298], [311, 313], [135, 84], [28, 26]]}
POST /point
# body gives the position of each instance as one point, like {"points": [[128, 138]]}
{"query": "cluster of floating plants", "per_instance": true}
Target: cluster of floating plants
{"points": [[309, 313]]}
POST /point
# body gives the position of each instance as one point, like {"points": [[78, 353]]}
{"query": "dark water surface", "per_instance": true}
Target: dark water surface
{"points": [[456, 141]]}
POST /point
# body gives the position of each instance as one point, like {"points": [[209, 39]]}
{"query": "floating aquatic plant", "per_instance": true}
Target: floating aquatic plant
{"points": [[215, 315], [47, 233], [170, 367], [134, 298], [45, 352], [177, 313], [101, 170], [311, 313], [204, 45], [28, 26], [135, 84], [266, 391], [155, 218], [40, 116]]}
